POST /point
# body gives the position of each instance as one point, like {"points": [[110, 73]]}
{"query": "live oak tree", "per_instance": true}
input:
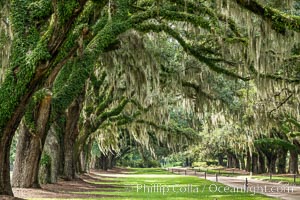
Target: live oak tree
{"points": [[131, 103], [45, 35]]}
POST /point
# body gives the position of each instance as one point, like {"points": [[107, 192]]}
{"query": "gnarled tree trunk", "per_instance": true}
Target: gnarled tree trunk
{"points": [[104, 162], [281, 165], [5, 186], [30, 147], [111, 161], [271, 163], [229, 160], [220, 159], [255, 168], [70, 136], [85, 157], [52, 148], [293, 162], [261, 163]]}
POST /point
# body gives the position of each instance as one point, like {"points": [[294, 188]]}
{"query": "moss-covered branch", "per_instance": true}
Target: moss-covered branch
{"points": [[184, 17], [273, 76], [108, 99], [110, 113], [188, 133], [147, 27], [198, 90], [214, 17], [193, 7], [279, 20], [97, 83]]}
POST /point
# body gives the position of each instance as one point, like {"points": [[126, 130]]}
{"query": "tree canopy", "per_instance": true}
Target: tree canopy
{"points": [[146, 74]]}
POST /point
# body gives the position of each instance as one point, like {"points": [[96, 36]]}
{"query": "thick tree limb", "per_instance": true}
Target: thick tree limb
{"points": [[189, 48], [198, 90], [278, 19], [273, 76]]}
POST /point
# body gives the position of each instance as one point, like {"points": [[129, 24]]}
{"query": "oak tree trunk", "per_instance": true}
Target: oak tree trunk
{"points": [[52, 148], [30, 147], [25, 173], [261, 163], [242, 163], [70, 136], [271, 163], [281, 165], [293, 162], [5, 186], [229, 160], [255, 166], [220, 159], [248, 162], [111, 161]]}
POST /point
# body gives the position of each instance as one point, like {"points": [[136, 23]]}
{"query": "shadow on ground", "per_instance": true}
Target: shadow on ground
{"points": [[70, 189]]}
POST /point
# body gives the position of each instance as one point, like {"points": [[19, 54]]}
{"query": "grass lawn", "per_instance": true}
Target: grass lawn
{"points": [[140, 184], [220, 171], [148, 171], [275, 178]]}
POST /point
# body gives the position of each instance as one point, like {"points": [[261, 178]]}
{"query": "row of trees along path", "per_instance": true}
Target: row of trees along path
{"points": [[56, 77]]}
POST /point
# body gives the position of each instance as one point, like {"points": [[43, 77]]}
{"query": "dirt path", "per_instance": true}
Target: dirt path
{"points": [[70, 189], [278, 190]]}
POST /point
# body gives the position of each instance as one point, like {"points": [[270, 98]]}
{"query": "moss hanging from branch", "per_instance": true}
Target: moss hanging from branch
{"points": [[278, 19], [189, 49]]}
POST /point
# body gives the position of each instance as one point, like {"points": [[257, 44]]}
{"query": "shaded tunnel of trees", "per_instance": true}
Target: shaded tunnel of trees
{"points": [[93, 83]]}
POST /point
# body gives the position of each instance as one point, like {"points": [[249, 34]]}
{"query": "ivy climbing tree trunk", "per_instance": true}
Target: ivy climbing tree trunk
{"points": [[5, 135], [44, 36], [30, 147], [31, 58]]}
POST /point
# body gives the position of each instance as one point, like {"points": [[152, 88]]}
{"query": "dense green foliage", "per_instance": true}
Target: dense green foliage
{"points": [[212, 80]]}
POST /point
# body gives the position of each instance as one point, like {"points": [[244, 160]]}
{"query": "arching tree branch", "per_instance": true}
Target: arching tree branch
{"points": [[280, 20], [189, 48]]}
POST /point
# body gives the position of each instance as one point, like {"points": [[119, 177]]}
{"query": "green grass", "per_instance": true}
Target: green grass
{"points": [[277, 179], [148, 171], [217, 171], [139, 184]]}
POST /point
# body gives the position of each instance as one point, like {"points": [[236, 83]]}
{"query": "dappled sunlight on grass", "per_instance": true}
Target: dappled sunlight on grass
{"points": [[139, 175], [160, 184]]}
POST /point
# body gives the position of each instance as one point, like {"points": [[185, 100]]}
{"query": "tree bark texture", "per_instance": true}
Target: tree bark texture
{"points": [[30, 147], [70, 136]]}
